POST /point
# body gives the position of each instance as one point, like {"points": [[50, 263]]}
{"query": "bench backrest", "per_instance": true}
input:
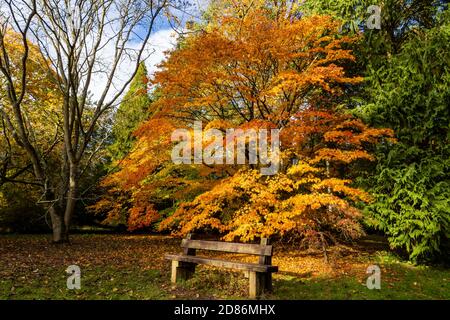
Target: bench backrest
{"points": [[263, 250]]}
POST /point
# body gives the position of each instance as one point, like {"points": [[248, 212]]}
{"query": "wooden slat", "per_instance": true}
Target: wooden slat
{"points": [[188, 251], [234, 247], [265, 259], [223, 263]]}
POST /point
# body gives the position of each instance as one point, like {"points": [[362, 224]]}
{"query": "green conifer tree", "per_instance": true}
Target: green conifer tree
{"points": [[132, 111]]}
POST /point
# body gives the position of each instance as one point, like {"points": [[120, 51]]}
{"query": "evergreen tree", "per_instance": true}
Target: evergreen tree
{"points": [[133, 110], [406, 67], [412, 182]]}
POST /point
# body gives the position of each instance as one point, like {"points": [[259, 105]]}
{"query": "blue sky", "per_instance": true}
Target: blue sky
{"points": [[162, 39]]}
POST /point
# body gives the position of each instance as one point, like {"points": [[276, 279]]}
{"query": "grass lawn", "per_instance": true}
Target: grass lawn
{"points": [[133, 267]]}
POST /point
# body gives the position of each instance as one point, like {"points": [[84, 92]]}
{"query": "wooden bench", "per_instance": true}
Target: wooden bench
{"points": [[259, 274]]}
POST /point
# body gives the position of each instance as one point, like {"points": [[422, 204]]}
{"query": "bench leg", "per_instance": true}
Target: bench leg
{"points": [[268, 282], [181, 271], [257, 284]]}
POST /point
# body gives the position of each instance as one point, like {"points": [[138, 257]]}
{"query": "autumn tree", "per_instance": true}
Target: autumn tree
{"points": [[73, 37], [18, 189], [260, 68]]}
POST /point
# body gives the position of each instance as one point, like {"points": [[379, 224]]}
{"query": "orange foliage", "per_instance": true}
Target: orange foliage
{"points": [[254, 70], [309, 198], [254, 67]]}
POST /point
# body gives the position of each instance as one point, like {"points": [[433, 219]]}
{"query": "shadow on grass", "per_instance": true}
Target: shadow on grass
{"points": [[399, 280]]}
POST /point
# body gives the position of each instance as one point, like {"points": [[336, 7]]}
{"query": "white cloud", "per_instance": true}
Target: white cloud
{"points": [[158, 43]]}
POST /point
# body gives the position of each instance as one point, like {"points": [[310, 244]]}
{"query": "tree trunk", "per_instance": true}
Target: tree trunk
{"points": [[71, 199], [62, 210], [54, 208], [58, 226]]}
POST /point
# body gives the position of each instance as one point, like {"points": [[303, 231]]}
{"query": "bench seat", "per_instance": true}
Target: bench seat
{"points": [[258, 274], [223, 263]]}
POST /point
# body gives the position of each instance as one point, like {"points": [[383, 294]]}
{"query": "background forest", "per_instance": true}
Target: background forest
{"points": [[364, 117]]}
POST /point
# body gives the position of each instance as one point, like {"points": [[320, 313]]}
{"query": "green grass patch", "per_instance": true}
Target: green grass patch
{"points": [[126, 267], [96, 284], [399, 281]]}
